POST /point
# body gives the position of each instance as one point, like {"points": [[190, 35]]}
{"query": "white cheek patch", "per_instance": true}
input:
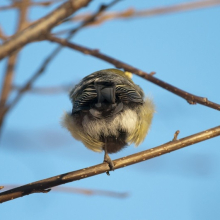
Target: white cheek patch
{"points": [[125, 121]]}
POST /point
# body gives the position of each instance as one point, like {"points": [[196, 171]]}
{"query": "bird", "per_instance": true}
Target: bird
{"points": [[109, 112]]}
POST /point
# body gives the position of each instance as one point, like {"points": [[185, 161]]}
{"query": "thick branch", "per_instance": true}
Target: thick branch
{"points": [[41, 27], [44, 185], [190, 98]]}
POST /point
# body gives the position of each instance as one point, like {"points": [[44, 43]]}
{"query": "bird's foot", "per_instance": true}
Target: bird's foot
{"points": [[108, 160]]}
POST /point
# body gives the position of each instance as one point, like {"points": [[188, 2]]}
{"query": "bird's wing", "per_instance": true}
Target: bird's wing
{"points": [[128, 94], [82, 101]]}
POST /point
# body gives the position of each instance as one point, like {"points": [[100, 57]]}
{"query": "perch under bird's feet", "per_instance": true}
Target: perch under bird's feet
{"points": [[108, 160]]}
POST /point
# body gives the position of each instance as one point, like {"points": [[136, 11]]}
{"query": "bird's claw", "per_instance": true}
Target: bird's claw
{"points": [[108, 160]]}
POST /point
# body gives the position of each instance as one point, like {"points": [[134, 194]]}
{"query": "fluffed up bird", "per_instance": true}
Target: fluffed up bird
{"points": [[109, 112]]}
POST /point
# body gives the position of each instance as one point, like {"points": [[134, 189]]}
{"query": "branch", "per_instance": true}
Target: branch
{"points": [[190, 98], [45, 184], [41, 27]]}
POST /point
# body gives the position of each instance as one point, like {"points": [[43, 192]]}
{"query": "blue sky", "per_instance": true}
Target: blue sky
{"points": [[184, 50]]}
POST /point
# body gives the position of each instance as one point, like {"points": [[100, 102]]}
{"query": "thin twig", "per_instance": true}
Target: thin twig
{"points": [[127, 13], [2, 34], [8, 77], [176, 135], [104, 167], [89, 19], [88, 192], [16, 4], [6, 87], [29, 83], [190, 98], [133, 13], [45, 90]]}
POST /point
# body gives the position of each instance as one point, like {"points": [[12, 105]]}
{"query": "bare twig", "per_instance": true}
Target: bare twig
{"points": [[132, 13], [2, 35], [126, 14], [41, 27], [185, 95], [176, 135], [91, 192], [6, 87], [46, 90], [29, 83], [16, 4], [102, 168], [92, 17], [88, 192], [152, 73], [88, 20]]}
